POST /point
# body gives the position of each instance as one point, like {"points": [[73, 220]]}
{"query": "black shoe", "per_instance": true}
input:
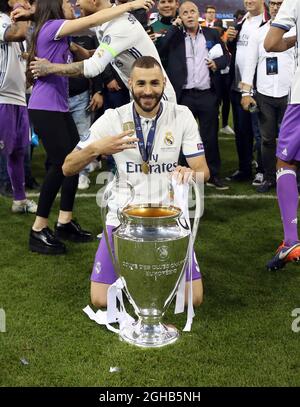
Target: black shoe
{"points": [[6, 190], [45, 242], [72, 231], [266, 186], [32, 184], [217, 183], [239, 176]]}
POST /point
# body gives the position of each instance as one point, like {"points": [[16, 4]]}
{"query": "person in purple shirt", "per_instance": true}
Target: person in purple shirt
{"points": [[49, 113]]}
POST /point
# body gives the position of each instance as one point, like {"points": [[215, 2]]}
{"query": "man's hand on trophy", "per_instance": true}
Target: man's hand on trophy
{"points": [[182, 175]]}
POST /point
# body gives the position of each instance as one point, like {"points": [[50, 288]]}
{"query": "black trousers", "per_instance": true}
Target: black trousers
{"points": [[225, 98], [271, 112], [59, 136], [243, 134], [204, 105]]}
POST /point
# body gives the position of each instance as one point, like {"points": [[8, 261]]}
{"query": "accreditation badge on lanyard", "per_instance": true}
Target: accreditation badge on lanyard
{"points": [[145, 151], [272, 66]]}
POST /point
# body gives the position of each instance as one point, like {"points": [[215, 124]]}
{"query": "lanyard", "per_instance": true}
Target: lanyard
{"points": [[145, 150]]}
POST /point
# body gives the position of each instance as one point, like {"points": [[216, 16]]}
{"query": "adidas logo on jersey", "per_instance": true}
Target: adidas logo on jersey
{"points": [[284, 152]]}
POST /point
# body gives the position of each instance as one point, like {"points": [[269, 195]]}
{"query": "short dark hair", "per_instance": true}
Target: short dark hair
{"points": [[4, 7], [207, 7], [239, 12], [146, 62]]}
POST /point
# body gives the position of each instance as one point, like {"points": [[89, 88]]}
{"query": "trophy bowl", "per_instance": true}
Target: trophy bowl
{"points": [[151, 247]]}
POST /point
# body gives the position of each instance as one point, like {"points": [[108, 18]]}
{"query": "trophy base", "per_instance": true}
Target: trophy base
{"points": [[149, 336]]}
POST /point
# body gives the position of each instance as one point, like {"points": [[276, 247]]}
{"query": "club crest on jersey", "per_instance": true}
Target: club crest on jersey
{"points": [[107, 39], [128, 126], [169, 139], [98, 267], [2, 145]]}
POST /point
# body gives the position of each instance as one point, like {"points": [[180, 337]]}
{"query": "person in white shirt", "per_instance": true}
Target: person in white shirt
{"points": [[238, 45], [288, 147], [122, 40], [169, 128], [274, 72], [14, 129]]}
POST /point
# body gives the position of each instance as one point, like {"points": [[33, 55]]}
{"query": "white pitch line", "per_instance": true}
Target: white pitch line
{"points": [[213, 196]]}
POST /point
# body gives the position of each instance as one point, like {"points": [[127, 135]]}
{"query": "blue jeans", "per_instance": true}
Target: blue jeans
{"points": [[81, 117]]}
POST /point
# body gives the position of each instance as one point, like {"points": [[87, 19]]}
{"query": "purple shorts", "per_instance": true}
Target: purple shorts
{"points": [[14, 129], [103, 270], [288, 147]]}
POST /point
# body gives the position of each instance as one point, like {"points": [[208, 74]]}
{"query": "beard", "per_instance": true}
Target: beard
{"points": [[147, 108]]}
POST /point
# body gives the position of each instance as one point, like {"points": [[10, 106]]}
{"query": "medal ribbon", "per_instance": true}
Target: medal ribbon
{"points": [[145, 151]]}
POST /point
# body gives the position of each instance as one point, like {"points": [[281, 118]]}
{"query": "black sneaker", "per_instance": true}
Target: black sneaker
{"points": [[217, 183], [239, 176], [72, 231], [45, 242], [266, 186]]}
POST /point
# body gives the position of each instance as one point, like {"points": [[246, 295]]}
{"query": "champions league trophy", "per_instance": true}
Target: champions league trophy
{"points": [[151, 248]]}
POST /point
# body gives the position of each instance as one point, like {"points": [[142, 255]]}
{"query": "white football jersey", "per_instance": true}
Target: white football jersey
{"points": [[12, 68], [123, 40], [176, 129], [288, 16]]}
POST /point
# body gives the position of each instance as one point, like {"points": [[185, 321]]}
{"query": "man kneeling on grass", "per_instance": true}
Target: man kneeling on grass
{"points": [[165, 128]]}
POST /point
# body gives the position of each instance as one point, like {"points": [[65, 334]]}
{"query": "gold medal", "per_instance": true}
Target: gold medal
{"points": [[145, 168]]}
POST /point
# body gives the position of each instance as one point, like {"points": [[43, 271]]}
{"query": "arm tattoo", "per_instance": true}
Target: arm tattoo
{"points": [[13, 31], [71, 70]]}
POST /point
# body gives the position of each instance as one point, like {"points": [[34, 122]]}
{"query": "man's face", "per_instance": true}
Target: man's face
{"points": [[167, 8], [147, 87], [87, 7], [68, 10], [253, 6], [189, 15], [210, 15], [274, 6]]}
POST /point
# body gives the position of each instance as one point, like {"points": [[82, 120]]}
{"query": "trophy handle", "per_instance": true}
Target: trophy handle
{"points": [[198, 211], [104, 209], [185, 222]]}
